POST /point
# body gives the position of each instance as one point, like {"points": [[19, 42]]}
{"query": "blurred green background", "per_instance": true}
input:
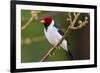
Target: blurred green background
{"points": [[34, 45]]}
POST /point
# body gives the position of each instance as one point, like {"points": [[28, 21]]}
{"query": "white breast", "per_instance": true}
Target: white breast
{"points": [[53, 37]]}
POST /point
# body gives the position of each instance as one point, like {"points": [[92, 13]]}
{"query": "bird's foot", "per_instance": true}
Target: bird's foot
{"points": [[49, 54], [52, 54], [59, 47]]}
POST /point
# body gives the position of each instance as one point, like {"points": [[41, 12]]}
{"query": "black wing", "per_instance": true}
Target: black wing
{"points": [[59, 30]]}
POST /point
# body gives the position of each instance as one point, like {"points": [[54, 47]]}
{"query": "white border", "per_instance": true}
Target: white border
{"points": [[20, 65]]}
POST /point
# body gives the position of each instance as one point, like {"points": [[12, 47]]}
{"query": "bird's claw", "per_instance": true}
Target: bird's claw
{"points": [[52, 54], [59, 47]]}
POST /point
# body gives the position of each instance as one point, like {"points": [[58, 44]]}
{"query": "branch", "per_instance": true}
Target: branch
{"points": [[34, 16], [25, 25], [81, 24], [72, 23]]}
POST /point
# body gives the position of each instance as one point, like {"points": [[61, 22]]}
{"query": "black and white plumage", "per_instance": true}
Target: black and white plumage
{"points": [[54, 34]]}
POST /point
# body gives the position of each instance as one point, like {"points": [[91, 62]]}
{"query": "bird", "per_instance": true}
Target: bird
{"points": [[54, 34]]}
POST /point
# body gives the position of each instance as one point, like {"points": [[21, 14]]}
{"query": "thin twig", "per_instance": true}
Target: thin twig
{"points": [[69, 18], [29, 21], [76, 17], [34, 15], [81, 24]]}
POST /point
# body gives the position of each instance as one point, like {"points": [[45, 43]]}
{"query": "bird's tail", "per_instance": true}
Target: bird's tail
{"points": [[69, 54], [67, 50]]}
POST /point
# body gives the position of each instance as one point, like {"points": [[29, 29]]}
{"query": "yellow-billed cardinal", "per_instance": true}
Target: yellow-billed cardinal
{"points": [[53, 34]]}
